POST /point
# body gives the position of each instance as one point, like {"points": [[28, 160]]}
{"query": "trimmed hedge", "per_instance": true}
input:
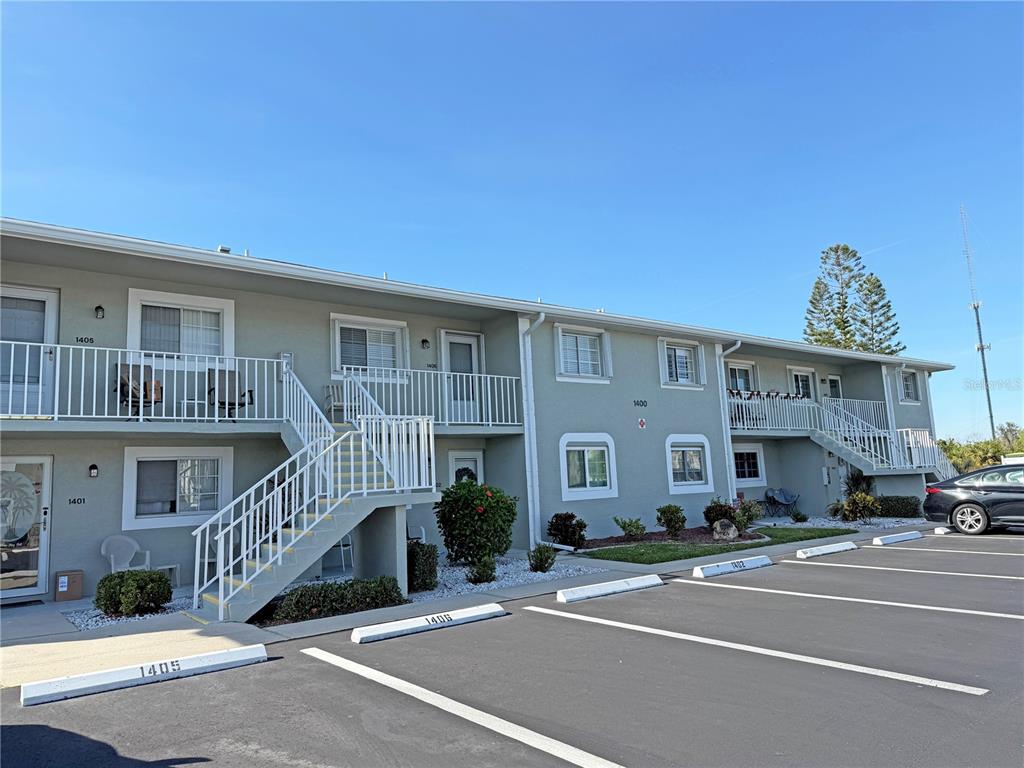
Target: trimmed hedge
{"points": [[421, 566], [132, 593], [315, 601], [567, 529], [475, 521], [671, 518], [899, 506]]}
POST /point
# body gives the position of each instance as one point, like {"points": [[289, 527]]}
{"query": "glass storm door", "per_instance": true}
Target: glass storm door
{"points": [[462, 384], [28, 322], [24, 524]]}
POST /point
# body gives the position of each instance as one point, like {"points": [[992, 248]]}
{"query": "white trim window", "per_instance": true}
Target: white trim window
{"points": [[681, 363], [689, 468], [801, 381], [180, 324], [174, 487], [587, 462], [741, 376], [362, 342], [910, 391], [583, 354], [835, 385], [748, 460]]}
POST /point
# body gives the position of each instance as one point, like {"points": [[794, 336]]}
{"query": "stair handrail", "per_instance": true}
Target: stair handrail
{"points": [[836, 420], [302, 412]]}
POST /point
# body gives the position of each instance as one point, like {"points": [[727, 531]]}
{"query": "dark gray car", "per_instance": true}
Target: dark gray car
{"points": [[978, 500]]}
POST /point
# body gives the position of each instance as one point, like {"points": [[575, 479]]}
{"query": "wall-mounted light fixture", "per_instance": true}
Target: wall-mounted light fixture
{"points": [[94, 471], [100, 312], [425, 343]]}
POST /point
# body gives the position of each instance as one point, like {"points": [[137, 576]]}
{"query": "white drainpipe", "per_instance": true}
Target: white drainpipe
{"points": [[730, 462], [530, 427]]}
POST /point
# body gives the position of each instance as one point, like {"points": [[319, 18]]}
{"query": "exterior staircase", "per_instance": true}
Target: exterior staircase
{"points": [[255, 547]]}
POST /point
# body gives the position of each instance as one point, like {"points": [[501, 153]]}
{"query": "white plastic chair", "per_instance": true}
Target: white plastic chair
{"points": [[120, 551]]}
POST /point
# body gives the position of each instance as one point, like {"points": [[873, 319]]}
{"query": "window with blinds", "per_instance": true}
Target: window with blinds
{"points": [[682, 364], [367, 347], [181, 330], [184, 486], [581, 354]]}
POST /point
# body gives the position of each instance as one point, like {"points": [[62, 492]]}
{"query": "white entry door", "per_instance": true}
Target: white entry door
{"points": [[462, 379], [24, 524], [28, 324], [465, 465]]}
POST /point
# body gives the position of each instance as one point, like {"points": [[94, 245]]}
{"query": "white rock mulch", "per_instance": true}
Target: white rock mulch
{"points": [[510, 572], [877, 524], [93, 618]]}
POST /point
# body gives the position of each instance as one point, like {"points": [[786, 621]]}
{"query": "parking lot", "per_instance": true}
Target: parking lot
{"points": [[908, 654]]}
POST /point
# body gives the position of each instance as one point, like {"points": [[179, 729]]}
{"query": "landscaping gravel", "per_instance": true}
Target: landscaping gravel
{"points": [[511, 572], [93, 618], [877, 524]]}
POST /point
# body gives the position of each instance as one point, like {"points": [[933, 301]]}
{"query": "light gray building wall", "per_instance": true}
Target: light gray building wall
{"points": [[634, 391]]}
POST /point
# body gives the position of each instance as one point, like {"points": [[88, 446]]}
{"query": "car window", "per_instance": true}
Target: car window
{"points": [[993, 478], [1015, 477], [1002, 477]]}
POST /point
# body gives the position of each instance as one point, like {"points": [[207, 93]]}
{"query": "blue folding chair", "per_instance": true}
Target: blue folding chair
{"points": [[786, 500]]}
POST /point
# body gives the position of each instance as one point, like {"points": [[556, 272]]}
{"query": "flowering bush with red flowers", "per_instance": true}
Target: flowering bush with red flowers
{"points": [[475, 521]]}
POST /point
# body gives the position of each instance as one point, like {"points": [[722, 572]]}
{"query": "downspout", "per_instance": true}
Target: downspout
{"points": [[530, 436], [730, 461]]}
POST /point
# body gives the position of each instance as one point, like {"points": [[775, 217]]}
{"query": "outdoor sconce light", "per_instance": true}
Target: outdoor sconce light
{"points": [[100, 312], [425, 343], [94, 471]]}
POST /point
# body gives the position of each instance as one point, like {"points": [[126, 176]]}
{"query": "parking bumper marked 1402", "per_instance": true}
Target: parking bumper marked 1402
{"points": [[939, 608], [799, 657], [518, 733], [953, 551], [905, 570]]}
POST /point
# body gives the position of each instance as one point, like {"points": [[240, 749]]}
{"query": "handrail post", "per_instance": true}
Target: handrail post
{"points": [[220, 578]]}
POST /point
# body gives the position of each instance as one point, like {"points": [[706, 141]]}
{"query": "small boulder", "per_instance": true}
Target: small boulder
{"points": [[724, 530]]}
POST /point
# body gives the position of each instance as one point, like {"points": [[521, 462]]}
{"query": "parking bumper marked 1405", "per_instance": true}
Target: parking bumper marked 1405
{"points": [[815, 660], [939, 608], [953, 551], [906, 570], [518, 733]]}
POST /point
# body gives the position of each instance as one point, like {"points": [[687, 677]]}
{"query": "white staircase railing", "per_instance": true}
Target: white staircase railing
{"points": [[871, 411], [866, 439]]}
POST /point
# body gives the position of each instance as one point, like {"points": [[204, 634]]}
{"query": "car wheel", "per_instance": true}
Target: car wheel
{"points": [[970, 519]]}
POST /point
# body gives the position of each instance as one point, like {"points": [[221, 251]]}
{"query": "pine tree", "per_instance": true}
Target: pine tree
{"points": [[875, 320], [832, 309]]}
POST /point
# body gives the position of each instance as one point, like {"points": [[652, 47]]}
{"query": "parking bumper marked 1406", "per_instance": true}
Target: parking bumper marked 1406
{"points": [[939, 608], [815, 660], [953, 551], [518, 733], [906, 570]]}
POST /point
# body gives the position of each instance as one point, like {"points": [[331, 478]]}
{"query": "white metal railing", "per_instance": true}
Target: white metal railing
{"points": [[772, 411], [301, 411], [60, 381], [870, 411], [447, 397], [918, 449]]}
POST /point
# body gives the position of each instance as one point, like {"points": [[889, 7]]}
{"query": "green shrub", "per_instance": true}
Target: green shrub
{"points": [[482, 571], [857, 482], [475, 521], [899, 506], [567, 529], [797, 516], [421, 566], [542, 557], [746, 512], [719, 510], [672, 519], [133, 593], [631, 527], [858, 506], [108, 593], [314, 601]]}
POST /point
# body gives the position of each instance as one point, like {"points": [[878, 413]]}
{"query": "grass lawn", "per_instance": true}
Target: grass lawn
{"points": [[663, 551]]}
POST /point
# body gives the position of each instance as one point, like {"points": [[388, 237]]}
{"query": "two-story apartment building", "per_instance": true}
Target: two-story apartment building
{"points": [[246, 420]]}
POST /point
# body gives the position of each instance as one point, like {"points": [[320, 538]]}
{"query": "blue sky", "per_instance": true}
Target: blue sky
{"points": [[680, 161]]}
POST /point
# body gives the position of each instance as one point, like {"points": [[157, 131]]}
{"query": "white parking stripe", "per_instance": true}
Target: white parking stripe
{"points": [[962, 537], [890, 547], [523, 735], [916, 680], [940, 608], [904, 570]]}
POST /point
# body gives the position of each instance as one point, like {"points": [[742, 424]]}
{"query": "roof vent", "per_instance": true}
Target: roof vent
{"points": [[223, 249]]}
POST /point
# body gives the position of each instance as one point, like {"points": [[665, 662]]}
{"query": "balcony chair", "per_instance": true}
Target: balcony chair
{"points": [[137, 388], [120, 551], [227, 393]]}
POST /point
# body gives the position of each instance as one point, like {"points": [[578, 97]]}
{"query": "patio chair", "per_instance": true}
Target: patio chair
{"points": [[137, 387], [770, 502], [227, 393], [120, 551], [786, 499]]}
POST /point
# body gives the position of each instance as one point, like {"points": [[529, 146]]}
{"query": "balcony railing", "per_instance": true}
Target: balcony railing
{"points": [[58, 381], [468, 399], [872, 412], [773, 411]]}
